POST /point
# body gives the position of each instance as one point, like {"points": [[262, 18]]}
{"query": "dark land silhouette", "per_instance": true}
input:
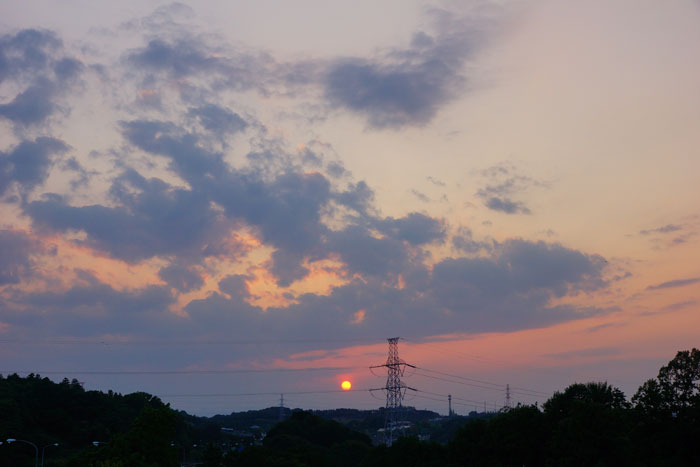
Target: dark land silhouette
{"points": [[585, 424]]}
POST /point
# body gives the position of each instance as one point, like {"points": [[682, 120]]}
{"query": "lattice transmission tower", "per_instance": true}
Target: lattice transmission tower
{"points": [[395, 388]]}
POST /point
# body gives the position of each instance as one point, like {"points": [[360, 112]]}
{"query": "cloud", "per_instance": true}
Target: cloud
{"points": [[31, 106], [26, 52], [181, 278], [503, 291], [218, 120], [420, 196], [679, 305], [464, 241], [335, 169], [598, 327], [151, 218], [392, 95], [16, 249], [187, 56], [669, 228], [83, 175], [90, 307], [28, 163], [506, 205], [36, 62], [364, 253], [670, 308], [674, 283], [397, 88], [503, 183], [408, 86], [415, 228], [179, 195], [285, 206], [436, 181], [511, 288]]}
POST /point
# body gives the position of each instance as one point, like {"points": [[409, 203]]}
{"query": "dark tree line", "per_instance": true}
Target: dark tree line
{"points": [[590, 424]]}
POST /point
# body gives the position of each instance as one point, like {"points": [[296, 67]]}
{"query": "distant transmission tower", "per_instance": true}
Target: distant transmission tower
{"points": [[507, 396], [282, 407], [395, 388]]}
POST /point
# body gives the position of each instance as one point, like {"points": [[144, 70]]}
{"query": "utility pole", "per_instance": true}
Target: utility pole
{"points": [[395, 388], [449, 402]]}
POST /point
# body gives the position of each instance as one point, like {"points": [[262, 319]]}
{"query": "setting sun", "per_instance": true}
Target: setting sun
{"points": [[346, 385]]}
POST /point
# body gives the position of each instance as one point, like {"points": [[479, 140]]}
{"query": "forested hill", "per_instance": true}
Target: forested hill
{"points": [[585, 424]]}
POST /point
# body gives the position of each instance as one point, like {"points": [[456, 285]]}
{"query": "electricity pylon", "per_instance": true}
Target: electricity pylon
{"points": [[395, 388]]}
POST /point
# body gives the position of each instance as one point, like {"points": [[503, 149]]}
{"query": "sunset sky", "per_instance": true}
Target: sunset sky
{"points": [[221, 201]]}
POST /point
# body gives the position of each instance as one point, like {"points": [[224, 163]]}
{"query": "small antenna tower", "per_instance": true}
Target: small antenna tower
{"points": [[395, 388], [507, 396]]}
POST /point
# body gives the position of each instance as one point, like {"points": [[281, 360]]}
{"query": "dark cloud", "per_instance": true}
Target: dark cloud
{"points": [[285, 207], [511, 288], [16, 249], [679, 305], [503, 184], [31, 106], [517, 270], [235, 286], [218, 120], [674, 283], [358, 196], [91, 307], [67, 68], [506, 205], [436, 181], [35, 60], [467, 295], [402, 87], [151, 218], [464, 241], [415, 228], [393, 96], [669, 228], [408, 86], [181, 278], [191, 56], [83, 175], [28, 163], [420, 196], [335, 169], [598, 327], [182, 58], [366, 254], [26, 52]]}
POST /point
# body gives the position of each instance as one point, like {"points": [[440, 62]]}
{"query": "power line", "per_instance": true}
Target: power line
{"points": [[248, 394], [478, 386], [181, 372], [499, 386], [521, 368], [457, 382], [68, 341]]}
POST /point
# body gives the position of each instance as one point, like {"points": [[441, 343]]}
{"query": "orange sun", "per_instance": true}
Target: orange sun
{"points": [[346, 385]]}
